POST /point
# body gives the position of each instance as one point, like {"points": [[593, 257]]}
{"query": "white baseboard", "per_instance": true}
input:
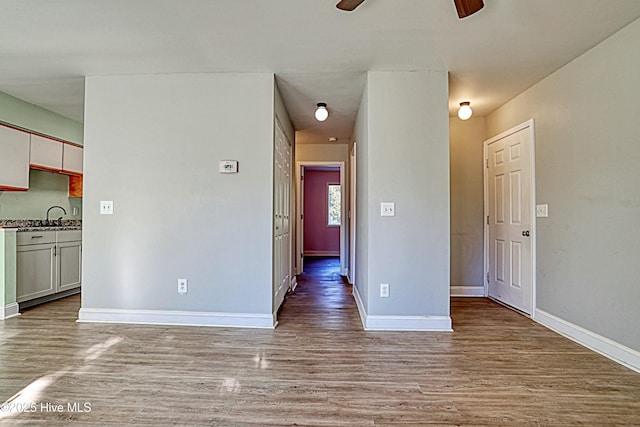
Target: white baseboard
{"points": [[177, 318], [344, 272], [602, 345], [467, 291], [360, 305], [9, 310], [400, 323], [321, 253], [294, 283]]}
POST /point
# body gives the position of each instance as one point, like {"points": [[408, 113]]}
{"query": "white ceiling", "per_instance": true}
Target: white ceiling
{"points": [[318, 53]]}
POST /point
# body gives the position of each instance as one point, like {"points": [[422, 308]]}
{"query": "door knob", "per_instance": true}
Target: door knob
{"points": [[525, 233]]}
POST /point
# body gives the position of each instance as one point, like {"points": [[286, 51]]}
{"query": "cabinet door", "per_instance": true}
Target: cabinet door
{"points": [[36, 271], [71, 159], [14, 159], [70, 265], [46, 153]]}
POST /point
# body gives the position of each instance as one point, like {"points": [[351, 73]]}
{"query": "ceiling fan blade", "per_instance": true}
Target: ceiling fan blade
{"points": [[468, 7], [349, 5]]}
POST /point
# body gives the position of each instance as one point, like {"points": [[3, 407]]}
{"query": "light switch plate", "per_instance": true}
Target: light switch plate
{"points": [[387, 209], [106, 207], [542, 211], [384, 290], [182, 286]]}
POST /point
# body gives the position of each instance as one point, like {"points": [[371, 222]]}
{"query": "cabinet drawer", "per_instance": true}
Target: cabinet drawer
{"points": [[69, 236], [35, 237]]}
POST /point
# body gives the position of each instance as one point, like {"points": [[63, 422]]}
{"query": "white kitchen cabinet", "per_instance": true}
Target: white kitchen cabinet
{"points": [[69, 252], [36, 273], [46, 153], [14, 159], [71, 159], [52, 155], [48, 263]]}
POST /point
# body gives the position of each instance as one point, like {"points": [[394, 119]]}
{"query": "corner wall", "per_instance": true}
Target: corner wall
{"points": [[405, 158], [153, 147], [587, 157], [467, 205]]}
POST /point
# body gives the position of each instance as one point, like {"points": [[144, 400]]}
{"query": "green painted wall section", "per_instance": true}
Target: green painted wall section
{"points": [[22, 114], [46, 189], [7, 267]]}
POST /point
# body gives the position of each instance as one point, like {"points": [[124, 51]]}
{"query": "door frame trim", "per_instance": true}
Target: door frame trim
{"points": [[351, 269], [532, 206], [343, 227]]}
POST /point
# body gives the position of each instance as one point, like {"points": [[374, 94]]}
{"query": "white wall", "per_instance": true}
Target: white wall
{"points": [[406, 156], [152, 145], [467, 205], [587, 170], [361, 136], [322, 153]]}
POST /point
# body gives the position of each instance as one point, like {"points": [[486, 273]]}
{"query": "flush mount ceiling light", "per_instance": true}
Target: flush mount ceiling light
{"points": [[333, 139], [465, 111], [321, 112]]}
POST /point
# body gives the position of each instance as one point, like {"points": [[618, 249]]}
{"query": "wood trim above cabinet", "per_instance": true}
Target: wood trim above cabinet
{"points": [[5, 188]]}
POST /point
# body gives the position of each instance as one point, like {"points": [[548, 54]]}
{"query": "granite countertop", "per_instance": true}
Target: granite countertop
{"points": [[39, 224]]}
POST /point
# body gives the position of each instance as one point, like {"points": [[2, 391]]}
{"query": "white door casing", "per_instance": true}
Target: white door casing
{"points": [[509, 218], [352, 218], [300, 166]]}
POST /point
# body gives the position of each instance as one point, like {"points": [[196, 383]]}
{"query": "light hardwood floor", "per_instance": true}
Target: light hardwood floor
{"points": [[317, 368]]}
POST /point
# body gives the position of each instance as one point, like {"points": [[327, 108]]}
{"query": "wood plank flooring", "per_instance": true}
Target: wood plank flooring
{"points": [[318, 368]]}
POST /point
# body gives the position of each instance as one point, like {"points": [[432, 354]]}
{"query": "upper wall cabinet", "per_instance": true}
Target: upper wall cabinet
{"points": [[14, 159], [71, 159], [51, 155], [46, 154]]}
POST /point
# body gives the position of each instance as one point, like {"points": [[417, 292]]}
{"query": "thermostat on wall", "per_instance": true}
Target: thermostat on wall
{"points": [[229, 166]]}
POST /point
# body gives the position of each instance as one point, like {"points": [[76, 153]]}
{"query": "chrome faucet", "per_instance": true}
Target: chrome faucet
{"points": [[59, 219]]}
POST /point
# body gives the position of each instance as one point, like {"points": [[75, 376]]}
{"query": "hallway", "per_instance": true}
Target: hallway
{"points": [[317, 368], [323, 296]]}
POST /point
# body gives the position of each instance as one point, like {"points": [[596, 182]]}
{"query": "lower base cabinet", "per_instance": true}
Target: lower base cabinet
{"points": [[48, 262]]}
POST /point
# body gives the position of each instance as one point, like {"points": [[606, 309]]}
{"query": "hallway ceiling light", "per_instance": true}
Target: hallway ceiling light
{"points": [[333, 139], [465, 111], [321, 112]]}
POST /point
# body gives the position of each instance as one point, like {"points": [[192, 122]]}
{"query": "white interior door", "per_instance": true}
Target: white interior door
{"points": [[509, 222], [281, 216]]}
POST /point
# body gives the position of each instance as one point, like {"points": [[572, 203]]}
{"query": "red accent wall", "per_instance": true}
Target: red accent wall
{"points": [[318, 237]]}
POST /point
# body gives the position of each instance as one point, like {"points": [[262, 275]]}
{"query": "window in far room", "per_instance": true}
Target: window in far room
{"points": [[334, 207]]}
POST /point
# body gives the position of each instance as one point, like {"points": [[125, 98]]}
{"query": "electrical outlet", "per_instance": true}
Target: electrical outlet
{"points": [[106, 207], [182, 286], [387, 209], [384, 290], [542, 211]]}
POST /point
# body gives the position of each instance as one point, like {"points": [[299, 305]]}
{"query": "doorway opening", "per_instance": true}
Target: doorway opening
{"points": [[321, 203]]}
